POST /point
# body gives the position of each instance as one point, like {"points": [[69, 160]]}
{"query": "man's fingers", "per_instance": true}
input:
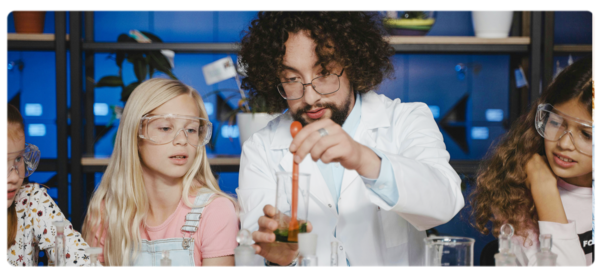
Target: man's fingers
{"points": [[266, 224], [325, 144], [266, 237], [307, 145], [306, 131], [256, 249], [269, 210]]}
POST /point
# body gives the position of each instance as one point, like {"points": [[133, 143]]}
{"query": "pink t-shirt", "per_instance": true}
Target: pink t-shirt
{"points": [[215, 236]]}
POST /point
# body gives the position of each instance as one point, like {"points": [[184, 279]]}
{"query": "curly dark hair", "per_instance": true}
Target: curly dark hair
{"points": [[501, 194], [352, 39]]}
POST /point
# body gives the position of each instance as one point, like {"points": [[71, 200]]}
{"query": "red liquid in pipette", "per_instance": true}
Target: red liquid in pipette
{"points": [[294, 228]]}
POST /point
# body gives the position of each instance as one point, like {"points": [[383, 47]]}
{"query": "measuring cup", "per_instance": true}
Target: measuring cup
{"points": [[448, 251], [283, 204]]}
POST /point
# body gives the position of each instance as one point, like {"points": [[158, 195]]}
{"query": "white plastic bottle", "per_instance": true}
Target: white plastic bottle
{"points": [[244, 253], [505, 256], [165, 261], [307, 247], [545, 257]]}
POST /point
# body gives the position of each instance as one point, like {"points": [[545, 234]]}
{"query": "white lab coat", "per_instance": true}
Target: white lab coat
{"points": [[368, 230]]}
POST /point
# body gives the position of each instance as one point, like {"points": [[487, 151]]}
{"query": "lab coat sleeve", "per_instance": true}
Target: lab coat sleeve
{"points": [[429, 191], [386, 184], [256, 184]]}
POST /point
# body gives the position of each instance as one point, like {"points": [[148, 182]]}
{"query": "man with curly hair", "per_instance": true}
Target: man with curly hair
{"points": [[379, 171]]}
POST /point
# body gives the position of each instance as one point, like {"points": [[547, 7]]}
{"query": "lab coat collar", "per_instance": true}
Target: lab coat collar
{"points": [[372, 108]]}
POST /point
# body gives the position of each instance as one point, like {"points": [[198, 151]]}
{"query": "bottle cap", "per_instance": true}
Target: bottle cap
{"points": [[334, 245], [60, 225], [545, 242], [307, 244], [244, 237], [93, 250], [506, 233]]}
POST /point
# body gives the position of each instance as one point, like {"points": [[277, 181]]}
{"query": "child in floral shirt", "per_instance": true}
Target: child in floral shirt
{"points": [[31, 211]]}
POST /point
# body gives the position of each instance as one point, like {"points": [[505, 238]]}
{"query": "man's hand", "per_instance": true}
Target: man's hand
{"points": [[336, 146], [264, 240]]}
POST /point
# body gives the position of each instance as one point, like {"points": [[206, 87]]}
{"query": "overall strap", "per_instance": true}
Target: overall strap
{"points": [[192, 219]]}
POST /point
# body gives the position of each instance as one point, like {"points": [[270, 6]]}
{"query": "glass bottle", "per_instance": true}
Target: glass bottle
{"points": [[545, 257], [505, 256], [244, 253], [165, 261], [307, 247], [60, 242], [93, 252], [334, 254]]}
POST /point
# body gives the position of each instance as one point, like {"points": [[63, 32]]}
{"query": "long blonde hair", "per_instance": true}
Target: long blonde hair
{"points": [[120, 204]]}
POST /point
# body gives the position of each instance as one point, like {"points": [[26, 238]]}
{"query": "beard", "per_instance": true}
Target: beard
{"points": [[338, 114]]}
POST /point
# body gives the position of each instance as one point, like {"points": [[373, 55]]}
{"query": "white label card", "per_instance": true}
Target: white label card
{"points": [[219, 70]]}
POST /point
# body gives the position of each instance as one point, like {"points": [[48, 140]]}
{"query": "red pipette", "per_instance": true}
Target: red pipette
{"points": [[293, 227]]}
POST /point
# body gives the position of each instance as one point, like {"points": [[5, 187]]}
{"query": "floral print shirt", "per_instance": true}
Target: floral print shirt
{"points": [[36, 211]]}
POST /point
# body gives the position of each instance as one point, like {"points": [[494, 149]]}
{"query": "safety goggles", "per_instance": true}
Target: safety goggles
{"points": [[24, 162], [162, 129], [553, 124]]}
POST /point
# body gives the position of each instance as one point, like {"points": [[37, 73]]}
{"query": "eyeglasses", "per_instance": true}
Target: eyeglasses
{"points": [[323, 85], [162, 129], [24, 162], [553, 124]]}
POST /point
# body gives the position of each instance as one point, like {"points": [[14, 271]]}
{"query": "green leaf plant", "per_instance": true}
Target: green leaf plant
{"points": [[145, 64]]}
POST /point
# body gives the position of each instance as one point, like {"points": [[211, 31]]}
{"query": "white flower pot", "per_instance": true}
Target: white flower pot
{"points": [[492, 24], [249, 123]]}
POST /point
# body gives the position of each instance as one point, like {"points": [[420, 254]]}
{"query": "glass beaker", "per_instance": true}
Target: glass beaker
{"points": [[283, 205], [448, 251]]}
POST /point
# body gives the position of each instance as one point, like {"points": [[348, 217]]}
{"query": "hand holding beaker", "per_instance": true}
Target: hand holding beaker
{"points": [[265, 244]]}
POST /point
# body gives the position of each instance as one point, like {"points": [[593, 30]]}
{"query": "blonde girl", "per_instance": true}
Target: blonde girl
{"points": [[158, 198]]}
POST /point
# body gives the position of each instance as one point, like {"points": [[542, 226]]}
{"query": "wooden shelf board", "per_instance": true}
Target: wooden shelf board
{"points": [[573, 48], [32, 37], [457, 40]]}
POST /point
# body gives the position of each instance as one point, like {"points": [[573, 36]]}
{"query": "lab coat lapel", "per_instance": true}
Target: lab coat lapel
{"points": [[366, 133]]}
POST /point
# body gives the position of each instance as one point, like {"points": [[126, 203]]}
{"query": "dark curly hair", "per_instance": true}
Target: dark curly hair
{"points": [[352, 39], [502, 195]]}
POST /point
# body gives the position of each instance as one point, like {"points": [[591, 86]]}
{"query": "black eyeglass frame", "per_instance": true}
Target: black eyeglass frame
{"points": [[282, 92]]}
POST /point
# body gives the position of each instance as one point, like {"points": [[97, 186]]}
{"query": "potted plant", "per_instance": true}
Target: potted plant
{"points": [[408, 23], [29, 22], [492, 24], [250, 116], [145, 64]]}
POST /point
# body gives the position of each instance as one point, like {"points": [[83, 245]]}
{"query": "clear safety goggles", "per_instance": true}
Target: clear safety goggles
{"points": [[162, 129], [553, 124], [24, 162]]}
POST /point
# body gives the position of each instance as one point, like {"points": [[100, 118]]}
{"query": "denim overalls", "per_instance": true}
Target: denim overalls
{"points": [[181, 250]]}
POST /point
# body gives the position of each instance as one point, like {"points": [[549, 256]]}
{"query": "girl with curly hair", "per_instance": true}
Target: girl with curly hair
{"points": [[539, 177]]}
